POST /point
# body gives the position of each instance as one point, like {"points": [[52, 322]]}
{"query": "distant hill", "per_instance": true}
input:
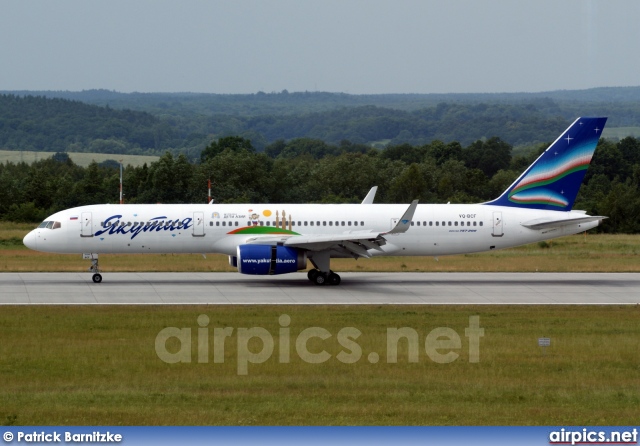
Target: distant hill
{"points": [[102, 121], [52, 124], [284, 102], [81, 159]]}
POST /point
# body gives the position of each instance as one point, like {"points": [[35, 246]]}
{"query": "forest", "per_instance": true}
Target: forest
{"points": [[311, 170]]}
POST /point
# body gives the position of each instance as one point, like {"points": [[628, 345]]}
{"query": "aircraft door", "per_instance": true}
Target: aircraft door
{"points": [[497, 224], [87, 225], [198, 224]]}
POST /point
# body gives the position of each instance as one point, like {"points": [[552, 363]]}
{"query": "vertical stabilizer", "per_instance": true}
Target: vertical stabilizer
{"points": [[553, 180]]}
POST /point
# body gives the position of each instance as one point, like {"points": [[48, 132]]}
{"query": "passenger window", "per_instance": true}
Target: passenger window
{"points": [[455, 223], [411, 223], [348, 223], [324, 223], [480, 223], [431, 223], [437, 223], [355, 223], [474, 223], [330, 223], [361, 223], [449, 223]]}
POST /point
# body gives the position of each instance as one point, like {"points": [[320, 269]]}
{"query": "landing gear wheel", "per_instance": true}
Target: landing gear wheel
{"points": [[95, 269], [334, 279], [311, 275], [320, 279]]}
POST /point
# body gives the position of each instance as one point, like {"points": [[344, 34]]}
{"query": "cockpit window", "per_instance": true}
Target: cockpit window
{"points": [[50, 225]]}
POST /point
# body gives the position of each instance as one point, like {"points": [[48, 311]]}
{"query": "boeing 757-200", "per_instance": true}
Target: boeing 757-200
{"points": [[269, 239]]}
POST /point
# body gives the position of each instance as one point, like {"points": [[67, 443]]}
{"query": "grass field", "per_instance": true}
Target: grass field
{"points": [[80, 158], [98, 365], [577, 253]]}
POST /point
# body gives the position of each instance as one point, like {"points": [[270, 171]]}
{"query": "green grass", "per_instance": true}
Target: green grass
{"points": [[80, 158], [84, 365]]}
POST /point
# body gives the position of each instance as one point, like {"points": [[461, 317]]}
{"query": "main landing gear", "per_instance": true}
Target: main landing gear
{"points": [[322, 274], [320, 278]]}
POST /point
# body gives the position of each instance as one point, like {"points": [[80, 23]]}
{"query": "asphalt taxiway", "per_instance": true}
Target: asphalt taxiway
{"points": [[356, 288]]}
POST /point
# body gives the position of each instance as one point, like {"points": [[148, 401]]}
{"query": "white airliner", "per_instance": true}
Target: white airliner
{"points": [[267, 239]]}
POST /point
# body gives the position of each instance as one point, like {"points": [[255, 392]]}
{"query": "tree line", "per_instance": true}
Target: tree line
{"points": [[306, 170]]}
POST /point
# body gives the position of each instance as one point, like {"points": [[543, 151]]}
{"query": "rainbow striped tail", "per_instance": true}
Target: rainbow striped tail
{"points": [[553, 180]]}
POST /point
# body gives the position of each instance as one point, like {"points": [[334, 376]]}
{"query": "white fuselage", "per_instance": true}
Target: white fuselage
{"points": [[437, 229]]}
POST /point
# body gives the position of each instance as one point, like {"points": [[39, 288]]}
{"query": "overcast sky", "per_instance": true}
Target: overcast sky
{"points": [[368, 46]]}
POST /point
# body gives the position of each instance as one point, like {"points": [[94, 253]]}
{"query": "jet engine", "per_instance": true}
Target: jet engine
{"points": [[268, 260]]}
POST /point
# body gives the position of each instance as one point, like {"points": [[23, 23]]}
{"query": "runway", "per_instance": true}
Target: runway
{"points": [[290, 289]]}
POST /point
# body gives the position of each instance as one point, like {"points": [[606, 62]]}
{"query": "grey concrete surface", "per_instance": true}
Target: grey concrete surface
{"points": [[356, 288]]}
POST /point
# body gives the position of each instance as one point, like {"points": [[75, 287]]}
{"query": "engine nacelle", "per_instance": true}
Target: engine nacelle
{"points": [[270, 260]]}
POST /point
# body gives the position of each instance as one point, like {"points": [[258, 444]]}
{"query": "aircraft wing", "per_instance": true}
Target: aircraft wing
{"points": [[354, 243], [546, 223]]}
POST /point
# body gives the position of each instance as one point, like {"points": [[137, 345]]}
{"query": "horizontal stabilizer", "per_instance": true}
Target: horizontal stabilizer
{"points": [[546, 223]]}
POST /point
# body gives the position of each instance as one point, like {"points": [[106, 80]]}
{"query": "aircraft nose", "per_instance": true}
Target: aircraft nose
{"points": [[30, 239]]}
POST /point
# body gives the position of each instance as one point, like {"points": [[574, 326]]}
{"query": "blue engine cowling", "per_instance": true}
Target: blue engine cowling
{"points": [[270, 260]]}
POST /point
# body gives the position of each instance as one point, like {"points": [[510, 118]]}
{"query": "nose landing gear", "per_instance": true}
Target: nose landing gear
{"points": [[94, 268]]}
